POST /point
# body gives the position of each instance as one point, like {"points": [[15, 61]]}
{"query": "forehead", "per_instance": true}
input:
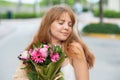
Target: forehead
{"points": [[64, 16]]}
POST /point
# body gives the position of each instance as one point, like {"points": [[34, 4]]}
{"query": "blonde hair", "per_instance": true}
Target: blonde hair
{"points": [[43, 34]]}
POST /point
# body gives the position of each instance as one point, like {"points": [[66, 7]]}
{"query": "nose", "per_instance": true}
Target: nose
{"points": [[66, 26]]}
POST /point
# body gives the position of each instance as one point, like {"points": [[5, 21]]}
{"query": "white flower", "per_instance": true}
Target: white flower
{"points": [[24, 55]]}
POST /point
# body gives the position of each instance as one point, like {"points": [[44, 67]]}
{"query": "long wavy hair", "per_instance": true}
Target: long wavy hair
{"points": [[43, 34]]}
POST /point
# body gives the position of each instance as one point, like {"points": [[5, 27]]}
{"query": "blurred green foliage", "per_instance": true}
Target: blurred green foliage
{"points": [[105, 28], [107, 13], [7, 4], [55, 2], [85, 9], [22, 15]]}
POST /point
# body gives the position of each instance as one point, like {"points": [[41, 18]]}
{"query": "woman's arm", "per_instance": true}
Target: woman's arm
{"points": [[20, 73], [79, 62]]}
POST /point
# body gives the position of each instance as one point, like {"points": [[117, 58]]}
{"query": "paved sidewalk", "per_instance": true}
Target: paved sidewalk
{"points": [[8, 26], [15, 36], [5, 29], [89, 18]]}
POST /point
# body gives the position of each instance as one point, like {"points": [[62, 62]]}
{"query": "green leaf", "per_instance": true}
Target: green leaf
{"points": [[61, 78], [34, 46], [60, 75], [32, 75], [41, 70], [39, 44], [54, 68]]}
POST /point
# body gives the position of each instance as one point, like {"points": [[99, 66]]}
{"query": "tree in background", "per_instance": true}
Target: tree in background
{"points": [[35, 6], [19, 4], [101, 11]]}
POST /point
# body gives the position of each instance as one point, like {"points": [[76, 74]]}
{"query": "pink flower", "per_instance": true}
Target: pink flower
{"points": [[38, 55], [51, 51], [38, 58], [46, 46], [44, 52], [30, 51], [33, 52], [54, 57], [24, 55]]}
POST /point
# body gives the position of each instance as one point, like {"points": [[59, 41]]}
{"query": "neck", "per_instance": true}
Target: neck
{"points": [[57, 43]]}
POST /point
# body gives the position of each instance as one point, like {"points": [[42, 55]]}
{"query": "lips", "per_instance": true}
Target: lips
{"points": [[65, 34]]}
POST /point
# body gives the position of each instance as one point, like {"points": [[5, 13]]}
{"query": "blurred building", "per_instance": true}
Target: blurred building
{"points": [[113, 5]]}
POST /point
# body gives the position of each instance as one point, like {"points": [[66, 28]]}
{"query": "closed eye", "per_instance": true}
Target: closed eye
{"points": [[70, 24], [61, 22]]}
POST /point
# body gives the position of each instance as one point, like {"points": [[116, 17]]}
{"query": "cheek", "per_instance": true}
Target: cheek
{"points": [[55, 28], [70, 30]]}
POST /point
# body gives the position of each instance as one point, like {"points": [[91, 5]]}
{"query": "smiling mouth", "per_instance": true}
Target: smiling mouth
{"points": [[65, 34]]}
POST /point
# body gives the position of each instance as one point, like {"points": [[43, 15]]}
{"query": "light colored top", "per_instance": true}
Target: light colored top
{"points": [[68, 72], [20, 73]]}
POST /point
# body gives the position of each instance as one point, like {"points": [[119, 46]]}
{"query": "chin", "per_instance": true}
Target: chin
{"points": [[63, 39]]}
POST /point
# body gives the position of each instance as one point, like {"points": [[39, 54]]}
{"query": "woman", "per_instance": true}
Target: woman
{"points": [[57, 27]]}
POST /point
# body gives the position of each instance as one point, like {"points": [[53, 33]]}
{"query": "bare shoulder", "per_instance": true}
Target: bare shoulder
{"points": [[76, 45], [79, 62]]}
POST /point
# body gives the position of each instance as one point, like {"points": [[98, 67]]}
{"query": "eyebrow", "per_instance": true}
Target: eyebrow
{"points": [[64, 20], [61, 20]]}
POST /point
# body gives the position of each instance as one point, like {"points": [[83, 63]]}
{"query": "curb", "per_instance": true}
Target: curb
{"points": [[105, 36]]}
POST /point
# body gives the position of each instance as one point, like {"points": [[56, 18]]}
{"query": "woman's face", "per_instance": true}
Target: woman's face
{"points": [[61, 29]]}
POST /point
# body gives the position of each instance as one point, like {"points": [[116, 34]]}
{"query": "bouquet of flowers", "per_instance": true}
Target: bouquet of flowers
{"points": [[43, 62]]}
